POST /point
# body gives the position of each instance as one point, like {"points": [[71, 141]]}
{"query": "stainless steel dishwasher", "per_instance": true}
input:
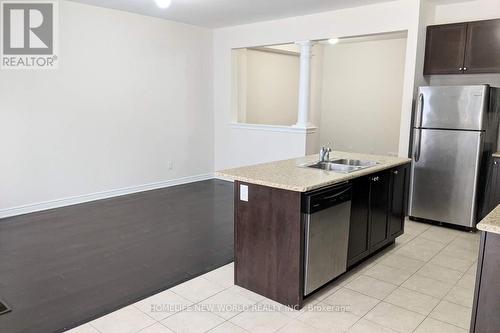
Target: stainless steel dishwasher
{"points": [[326, 215]]}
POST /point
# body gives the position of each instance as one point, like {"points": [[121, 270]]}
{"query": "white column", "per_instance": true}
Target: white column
{"points": [[304, 84]]}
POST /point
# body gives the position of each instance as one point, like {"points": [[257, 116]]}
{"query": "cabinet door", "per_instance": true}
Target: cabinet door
{"points": [[398, 200], [483, 47], [445, 49], [379, 209], [359, 228], [494, 195]]}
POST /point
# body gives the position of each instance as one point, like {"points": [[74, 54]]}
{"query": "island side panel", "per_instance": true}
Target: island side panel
{"points": [[269, 243], [485, 317]]}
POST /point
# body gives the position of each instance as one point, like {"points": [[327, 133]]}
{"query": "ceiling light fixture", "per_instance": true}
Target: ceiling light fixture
{"points": [[333, 41], [163, 4]]}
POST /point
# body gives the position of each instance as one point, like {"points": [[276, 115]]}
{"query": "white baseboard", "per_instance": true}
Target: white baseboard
{"points": [[36, 207]]}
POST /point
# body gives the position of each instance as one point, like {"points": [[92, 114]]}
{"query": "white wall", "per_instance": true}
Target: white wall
{"points": [[132, 93], [425, 18], [468, 10], [272, 88], [362, 95], [313, 139], [235, 146]]}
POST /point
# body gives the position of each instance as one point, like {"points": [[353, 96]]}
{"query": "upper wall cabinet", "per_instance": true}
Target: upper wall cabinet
{"points": [[444, 49], [463, 48]]}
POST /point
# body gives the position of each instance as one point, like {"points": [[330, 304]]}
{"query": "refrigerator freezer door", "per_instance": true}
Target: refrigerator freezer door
{"points": [[444, 177], [452, 107]]}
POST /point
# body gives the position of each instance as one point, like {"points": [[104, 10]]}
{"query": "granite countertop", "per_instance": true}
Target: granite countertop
{"points": [[491, 223], [288, 175], [497, 154]]}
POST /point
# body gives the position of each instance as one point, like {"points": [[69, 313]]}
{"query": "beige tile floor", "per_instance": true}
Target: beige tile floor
{"points": [[424, 284]]}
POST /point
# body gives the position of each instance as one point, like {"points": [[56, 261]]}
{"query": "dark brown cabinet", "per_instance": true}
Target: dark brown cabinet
{"points": [[378, 211], [398, 200], [359, 229], [463, 48], [493, 197]]}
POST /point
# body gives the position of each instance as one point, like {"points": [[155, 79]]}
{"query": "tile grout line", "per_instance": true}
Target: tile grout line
{"points": [[91, 326], [363, 317], [157, 322], [402, 269], [168, 328], [237, 325], [225, 321], [444, 322], [372, 322]]}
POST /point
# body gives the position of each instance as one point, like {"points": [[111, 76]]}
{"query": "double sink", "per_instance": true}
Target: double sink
{"points": [[342, 165]]}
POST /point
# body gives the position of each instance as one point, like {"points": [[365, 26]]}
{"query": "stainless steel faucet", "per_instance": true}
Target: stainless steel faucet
{"points": [[324, 154]]}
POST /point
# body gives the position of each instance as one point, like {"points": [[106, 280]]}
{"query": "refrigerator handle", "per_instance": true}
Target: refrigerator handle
{"points": [[418, 143], [420, 110]]}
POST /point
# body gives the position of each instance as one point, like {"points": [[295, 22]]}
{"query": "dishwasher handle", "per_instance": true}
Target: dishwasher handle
{"points": [[336, 195], [324, 199]]}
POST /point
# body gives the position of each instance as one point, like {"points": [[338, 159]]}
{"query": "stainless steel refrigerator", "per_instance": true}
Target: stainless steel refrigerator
{"points": [[454, 135]]}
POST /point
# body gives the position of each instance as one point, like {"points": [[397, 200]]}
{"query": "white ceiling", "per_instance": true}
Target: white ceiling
{"points": [[221, 13]]}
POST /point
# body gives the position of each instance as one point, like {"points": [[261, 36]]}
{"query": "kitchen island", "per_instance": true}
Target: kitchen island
{"points": [[297, 228]]}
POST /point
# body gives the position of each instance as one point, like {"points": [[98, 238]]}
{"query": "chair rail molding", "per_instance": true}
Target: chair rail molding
{"points": [[275, 128]]}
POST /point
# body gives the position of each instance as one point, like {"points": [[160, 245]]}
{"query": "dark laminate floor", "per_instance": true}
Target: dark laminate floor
{"points": [[63, 267]]}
